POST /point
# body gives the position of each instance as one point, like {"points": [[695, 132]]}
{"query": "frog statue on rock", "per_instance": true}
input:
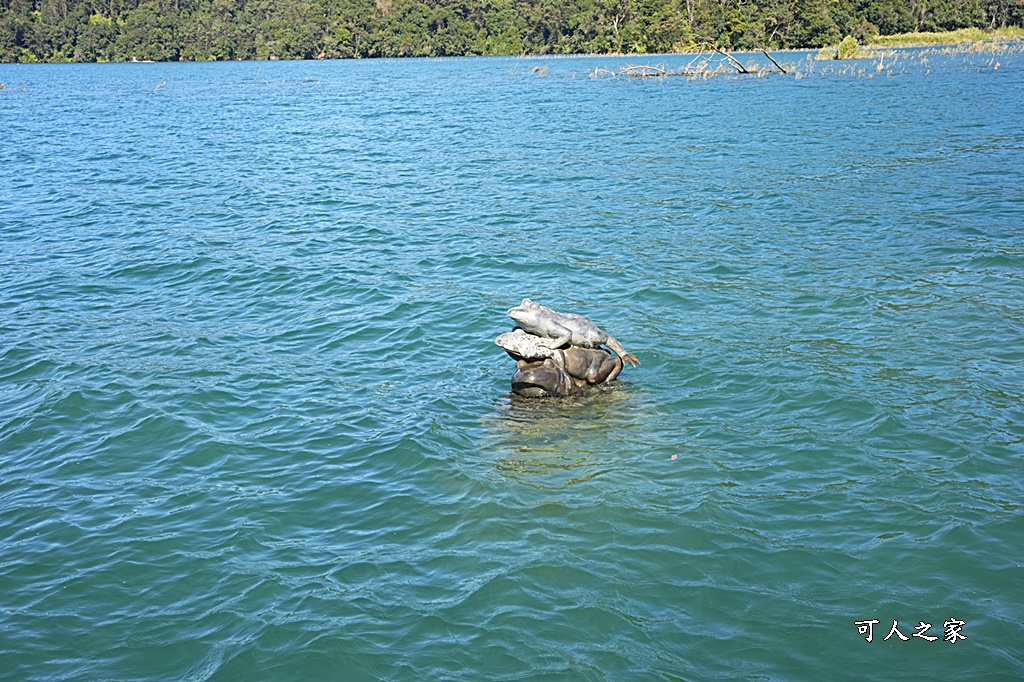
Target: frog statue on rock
{"points": [[559, 354], [564, 328]]}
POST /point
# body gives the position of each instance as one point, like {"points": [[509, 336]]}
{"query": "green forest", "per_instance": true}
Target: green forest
{"points": [[200, 30]]}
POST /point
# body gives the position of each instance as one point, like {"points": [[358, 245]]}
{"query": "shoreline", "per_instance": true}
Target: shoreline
{"points": [[964, 36]]}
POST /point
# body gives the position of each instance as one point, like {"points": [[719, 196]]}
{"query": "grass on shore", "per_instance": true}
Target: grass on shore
{"points": [[970, 39], [963, 35]]}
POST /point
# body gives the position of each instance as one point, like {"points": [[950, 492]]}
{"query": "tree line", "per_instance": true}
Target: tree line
{"points": [[196, 30]]}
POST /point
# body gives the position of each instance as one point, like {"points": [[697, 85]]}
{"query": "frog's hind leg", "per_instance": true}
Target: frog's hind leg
{"points": [[620, 351]]}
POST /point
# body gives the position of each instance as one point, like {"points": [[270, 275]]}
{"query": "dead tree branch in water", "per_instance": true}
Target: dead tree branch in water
{"points": [[735, 62], [701, 66], [773, 61], [643, 71]]}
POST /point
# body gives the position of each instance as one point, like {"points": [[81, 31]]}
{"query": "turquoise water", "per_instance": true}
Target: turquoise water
{"points": [[253, 425]]}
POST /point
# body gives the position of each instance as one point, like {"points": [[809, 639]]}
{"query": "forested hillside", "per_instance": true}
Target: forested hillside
{"points": [[167, 30]]}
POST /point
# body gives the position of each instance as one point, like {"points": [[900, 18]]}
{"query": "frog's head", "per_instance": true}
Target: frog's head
{"points": [[525, 311], [541, 379]]}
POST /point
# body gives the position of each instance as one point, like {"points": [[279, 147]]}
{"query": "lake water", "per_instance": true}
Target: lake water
{"points": [[253, 425]]}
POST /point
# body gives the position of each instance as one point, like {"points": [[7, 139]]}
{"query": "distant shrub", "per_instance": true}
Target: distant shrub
{"points": [[847, 48]]}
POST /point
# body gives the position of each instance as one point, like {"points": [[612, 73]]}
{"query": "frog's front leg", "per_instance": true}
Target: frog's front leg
{"points": [[558, 336]]}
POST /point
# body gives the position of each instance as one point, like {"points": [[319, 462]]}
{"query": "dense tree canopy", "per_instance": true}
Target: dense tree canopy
{"points": [[168, 30]]}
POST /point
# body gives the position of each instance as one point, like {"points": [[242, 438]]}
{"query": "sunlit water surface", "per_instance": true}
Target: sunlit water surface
{"points": [[253, 425]]}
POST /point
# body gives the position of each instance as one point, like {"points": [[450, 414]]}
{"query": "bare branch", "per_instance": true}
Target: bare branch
{"points": [[773, 61], [735, 62]]}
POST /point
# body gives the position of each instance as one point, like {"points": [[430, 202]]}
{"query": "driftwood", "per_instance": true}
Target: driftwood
{"points": [[634, 71], [773, 61], [691, 70], [735, 62], [743, 69], [644, 71]]}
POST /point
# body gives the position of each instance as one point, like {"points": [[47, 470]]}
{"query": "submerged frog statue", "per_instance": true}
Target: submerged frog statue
{"points": [[540, 378], [559, 329], [592, 365]]}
